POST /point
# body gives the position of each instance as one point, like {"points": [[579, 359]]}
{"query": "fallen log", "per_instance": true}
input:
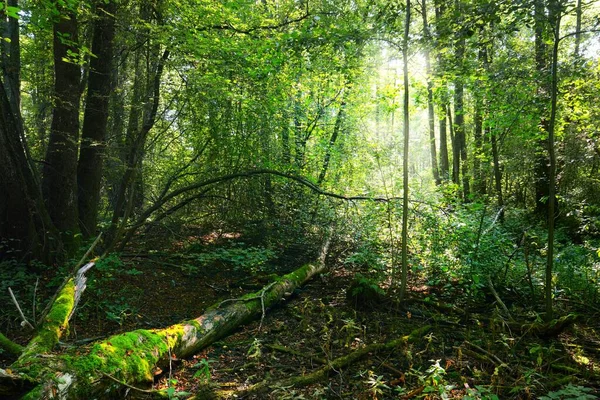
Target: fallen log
{"points": [[335, 365], [132, 357], [8, 345]]}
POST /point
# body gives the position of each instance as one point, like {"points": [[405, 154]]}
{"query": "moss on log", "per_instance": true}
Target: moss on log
{"points": [[10, 346], [547, 329], [132, 357]]}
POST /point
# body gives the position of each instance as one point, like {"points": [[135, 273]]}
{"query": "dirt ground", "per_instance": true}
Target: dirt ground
{"points": [[471, 350]]}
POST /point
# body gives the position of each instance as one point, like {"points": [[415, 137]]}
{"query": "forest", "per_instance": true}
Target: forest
{"points": [[300, 199]]}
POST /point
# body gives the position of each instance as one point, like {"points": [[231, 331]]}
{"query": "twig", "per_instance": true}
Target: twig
{"points": [[494, 221], [247, 299], [150, 391], [37, 281], [498, 299], [262, 301], [492, 356], [87, 253], [297, 353], [14, 299]]}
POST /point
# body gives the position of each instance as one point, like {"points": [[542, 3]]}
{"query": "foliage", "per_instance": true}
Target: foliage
{"points": [[480, 393], [22, 281], [570, 392], [203, 369], [103, 300], [239, 256]]}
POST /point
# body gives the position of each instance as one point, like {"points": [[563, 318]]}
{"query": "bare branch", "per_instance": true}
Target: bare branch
{"points": [[14, 299]]}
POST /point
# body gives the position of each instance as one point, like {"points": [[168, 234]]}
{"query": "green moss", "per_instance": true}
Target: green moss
{"points": [[129, 356], [56, 322], [9, 345], [34, 394], [57, 319]]}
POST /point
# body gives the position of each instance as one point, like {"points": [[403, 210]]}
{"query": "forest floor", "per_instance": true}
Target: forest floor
{"points": [[472, 350]]}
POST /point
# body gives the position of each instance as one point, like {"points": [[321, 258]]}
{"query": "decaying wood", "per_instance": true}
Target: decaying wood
{"points": [[8, 345], [546, 329], [337, 364], [284, 349], [131, 357], [12, 384]]}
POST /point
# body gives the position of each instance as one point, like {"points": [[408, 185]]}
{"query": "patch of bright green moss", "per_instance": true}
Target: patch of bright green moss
{"points": [[129, 356], [55, 324]]}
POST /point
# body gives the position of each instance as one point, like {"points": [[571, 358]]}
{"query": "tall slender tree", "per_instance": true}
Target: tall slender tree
{"points": [[430, 103], [405, 186]]}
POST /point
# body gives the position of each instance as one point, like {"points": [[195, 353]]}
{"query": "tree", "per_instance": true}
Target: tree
{"points": [[59, 179], [430, 102], [93, 134], [405, 186]]}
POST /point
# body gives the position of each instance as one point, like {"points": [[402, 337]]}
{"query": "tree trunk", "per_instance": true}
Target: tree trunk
{"points": [[334, 135], [440, 26], [478, 178], [404, 276], [134, 159], [543, 90], [11, 59], [497, 175], [578, 29], [133, 356], [25, 227], [60, 169], [93, 135], [455, 149], [444, 159], [555, 18], [430, 105]]}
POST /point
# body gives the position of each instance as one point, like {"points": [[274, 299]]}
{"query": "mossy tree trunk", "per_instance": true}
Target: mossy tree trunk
{"points": [[131, 357]]}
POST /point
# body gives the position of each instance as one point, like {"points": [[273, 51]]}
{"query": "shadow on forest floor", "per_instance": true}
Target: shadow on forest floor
{"points": [[474, 354]]}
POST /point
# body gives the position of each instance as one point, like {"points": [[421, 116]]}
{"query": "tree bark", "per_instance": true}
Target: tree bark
{"points": [[11, 59], [444, 159], [93, 135], [555, 18], [59, 182], [430, 106], [334, 135], [543, 91], [404, 272], [25, 226]]}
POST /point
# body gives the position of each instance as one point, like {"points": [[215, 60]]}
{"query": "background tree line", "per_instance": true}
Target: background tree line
{"points": [[119, 115]]}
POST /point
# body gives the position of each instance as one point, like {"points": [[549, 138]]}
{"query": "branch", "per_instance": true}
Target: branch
{"points": [[578, 32], [24, 320], [229, 27], [10, 346], [336, 364], [248, 174]]}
